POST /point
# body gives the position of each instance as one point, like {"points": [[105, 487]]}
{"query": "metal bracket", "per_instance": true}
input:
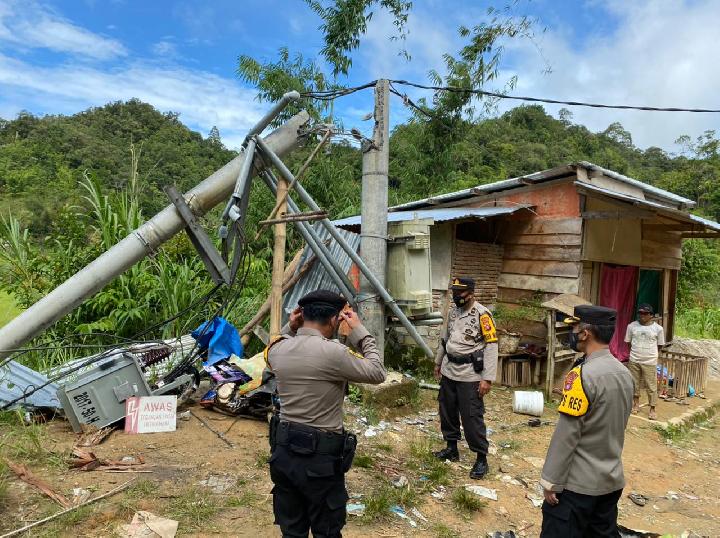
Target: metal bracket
{"points": [[216, 266]]}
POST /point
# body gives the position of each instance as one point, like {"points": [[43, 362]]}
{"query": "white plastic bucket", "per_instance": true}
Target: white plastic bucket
{"points": [[528, 402]]}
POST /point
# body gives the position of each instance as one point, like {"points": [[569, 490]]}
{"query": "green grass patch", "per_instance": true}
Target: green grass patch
{"points": [[426, 464], [443, 531], [28, 442], [193, 509], [8, 308], [384, 447], [245, 500], [508, 444], [261, 459], [364, 461], [466, 502], [379, 503], [4, 483]]}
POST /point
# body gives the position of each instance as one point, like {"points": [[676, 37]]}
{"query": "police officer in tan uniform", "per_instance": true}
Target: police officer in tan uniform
{"points": [[583, 472], [311, 451], [466, 365]]}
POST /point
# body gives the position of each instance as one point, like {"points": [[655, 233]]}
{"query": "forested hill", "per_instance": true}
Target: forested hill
{"points": [[43, 159]]}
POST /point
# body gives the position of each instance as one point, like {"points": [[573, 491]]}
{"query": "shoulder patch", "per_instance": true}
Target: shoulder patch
{"points": [[487, 325], [355, 354], [574, 401], [277, 339]]}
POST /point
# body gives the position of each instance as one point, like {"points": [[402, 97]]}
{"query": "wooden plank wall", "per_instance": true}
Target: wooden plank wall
{"points": [[661, 250], [540, 254]]}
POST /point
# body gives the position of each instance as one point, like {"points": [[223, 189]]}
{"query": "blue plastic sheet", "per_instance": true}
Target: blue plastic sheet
{"points": [[221, 339]]}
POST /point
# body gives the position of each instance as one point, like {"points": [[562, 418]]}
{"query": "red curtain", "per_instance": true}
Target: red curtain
{"points": [[618, 285]]}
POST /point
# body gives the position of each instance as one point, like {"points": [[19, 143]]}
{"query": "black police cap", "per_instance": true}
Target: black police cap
{"points": [[593, 315], [324, 298], [461, 284]]}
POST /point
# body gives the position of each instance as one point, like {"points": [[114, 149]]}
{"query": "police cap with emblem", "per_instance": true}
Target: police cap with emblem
{"points": [[462, 284], [592, 315], [325, 298]]}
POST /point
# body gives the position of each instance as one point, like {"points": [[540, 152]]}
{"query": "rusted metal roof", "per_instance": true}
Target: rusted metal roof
{"points": [[541, 177], [440, 214]]}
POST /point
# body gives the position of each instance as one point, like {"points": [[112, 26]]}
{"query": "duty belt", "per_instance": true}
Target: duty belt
{"points": [[465, 359], [313, 439]]}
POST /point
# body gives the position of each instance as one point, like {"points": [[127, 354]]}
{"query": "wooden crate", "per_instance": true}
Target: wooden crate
{"points": [[516, 372], [684, 370]]}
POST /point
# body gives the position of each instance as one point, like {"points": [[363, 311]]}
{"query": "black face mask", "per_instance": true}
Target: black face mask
{"points": [[574, 342], [459, 300]]}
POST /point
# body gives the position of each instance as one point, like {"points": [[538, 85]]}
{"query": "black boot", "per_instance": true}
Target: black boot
{"points": [[480, 469], [448, 453]]}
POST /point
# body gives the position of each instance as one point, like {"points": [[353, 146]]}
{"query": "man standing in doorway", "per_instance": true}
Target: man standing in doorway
{"points": [[466, 364], [645, 337], [583, 473]]}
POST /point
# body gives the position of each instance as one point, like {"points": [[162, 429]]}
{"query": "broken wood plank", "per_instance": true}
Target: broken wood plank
{"points": [[24, 474], [548, 268], [21, 530], [542, 252]]}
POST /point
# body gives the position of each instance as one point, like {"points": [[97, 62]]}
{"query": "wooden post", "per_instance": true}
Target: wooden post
{"points": [[550, 375], [278, 267]]}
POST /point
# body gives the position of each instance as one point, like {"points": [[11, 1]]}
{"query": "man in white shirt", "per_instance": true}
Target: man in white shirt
{"points": [[645, 337]]}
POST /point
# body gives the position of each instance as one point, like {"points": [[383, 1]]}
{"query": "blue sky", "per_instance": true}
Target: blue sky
{"points": [[60, 57]]}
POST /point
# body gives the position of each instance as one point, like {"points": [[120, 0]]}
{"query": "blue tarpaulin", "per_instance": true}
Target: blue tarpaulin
{"points": [[221, 339]]}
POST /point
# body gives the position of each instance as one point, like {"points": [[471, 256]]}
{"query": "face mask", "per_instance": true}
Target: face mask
{"points": [[459, 300], [574, 342]]}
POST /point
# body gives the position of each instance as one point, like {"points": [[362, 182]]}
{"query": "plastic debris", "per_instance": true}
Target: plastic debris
{"points": [[400, 482], [219, 484], [536, 500], [482, 491], [355, 509], [534, 422], [147, 525], [371, 432], [501, 534], [439, 494], [638, 498], [418, 515], [398, 511]]}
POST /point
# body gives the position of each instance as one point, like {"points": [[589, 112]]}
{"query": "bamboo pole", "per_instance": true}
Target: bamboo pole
{"points": [[287, 285], [278, 268]]}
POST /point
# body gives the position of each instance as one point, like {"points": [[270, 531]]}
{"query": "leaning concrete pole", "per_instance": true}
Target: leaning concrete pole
{"points": [[374, 208], [145, 240]]}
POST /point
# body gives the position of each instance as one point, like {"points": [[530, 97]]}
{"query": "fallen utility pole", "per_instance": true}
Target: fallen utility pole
{"points": [[139, 244], [333, 231], [373, 211]]}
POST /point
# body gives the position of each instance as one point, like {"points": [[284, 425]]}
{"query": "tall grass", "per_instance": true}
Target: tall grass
{"points": [[698, 322], [153, 290]]}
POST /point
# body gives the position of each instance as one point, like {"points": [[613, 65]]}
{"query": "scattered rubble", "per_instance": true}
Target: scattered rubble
{"points": [[24, 474], [482, 491], [147, 525]]}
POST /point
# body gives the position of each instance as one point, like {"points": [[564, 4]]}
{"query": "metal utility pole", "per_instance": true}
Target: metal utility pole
{"points": [[374, 207], [143, 241]]}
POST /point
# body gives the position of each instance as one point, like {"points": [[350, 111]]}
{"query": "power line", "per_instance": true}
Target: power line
{"points": [[329, 95]]}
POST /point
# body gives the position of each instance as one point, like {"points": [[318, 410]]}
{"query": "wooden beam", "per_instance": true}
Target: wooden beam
{"points": [[679, 227], [702, 235], [633, 214]]}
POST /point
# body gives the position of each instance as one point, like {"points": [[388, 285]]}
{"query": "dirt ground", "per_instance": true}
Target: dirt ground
{"points": [[215, 490]]}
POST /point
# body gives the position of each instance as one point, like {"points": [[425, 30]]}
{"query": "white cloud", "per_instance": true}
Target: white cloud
{"points": [[662, 53], [165, 48], [202, 99], [29, 24]]}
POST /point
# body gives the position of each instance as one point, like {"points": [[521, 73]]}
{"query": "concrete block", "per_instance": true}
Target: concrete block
{"points": [[395, 391]]}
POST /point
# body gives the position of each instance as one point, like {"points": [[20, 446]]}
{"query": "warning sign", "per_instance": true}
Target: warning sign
{"points": [[150, 414]]}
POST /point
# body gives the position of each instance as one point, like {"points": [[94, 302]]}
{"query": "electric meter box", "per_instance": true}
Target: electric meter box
{"points": [[98, 397], [409, 278]]}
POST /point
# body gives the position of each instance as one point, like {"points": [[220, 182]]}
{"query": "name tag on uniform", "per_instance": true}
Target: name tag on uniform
{"points": [[574, 401]]}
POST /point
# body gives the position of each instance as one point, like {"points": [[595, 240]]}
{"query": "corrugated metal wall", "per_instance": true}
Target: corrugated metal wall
{"points": [[317, 278]]}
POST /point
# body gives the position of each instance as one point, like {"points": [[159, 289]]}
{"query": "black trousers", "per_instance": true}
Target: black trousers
{"points": [[309, 493], [581, 516], [460, 400]]}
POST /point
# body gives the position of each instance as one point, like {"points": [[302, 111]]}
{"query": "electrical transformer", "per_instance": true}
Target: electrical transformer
{"points": [[98, 397], [409, 278]]}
